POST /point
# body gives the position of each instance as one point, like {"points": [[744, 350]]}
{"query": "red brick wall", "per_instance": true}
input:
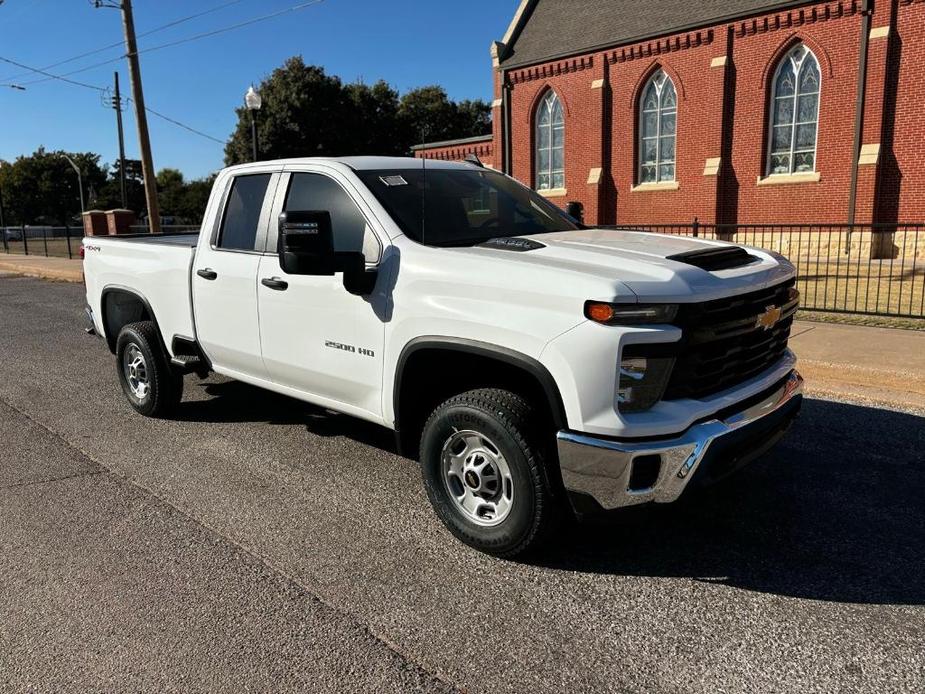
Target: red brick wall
{"points": [[572, 81], [483, 150], [601, 123], [833, 36], [901, 194]]}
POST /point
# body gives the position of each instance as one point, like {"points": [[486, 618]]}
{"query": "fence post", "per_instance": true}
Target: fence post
{"points": [[6, 243], [45, 240], [25, 243], [67, 233], [695, 227]]}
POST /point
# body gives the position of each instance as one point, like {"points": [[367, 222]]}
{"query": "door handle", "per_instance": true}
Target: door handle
{"points": [[275, 283], [207, 273]]}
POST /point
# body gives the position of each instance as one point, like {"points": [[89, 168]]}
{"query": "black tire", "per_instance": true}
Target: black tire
{"points": [[506, 420], [164, 384]]}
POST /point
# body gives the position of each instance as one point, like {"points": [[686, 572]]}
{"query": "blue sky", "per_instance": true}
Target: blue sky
{"points": [[408, 43]]}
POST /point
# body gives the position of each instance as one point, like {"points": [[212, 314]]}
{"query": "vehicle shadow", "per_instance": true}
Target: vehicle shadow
{"points": [[835, 512], [233, 401]]}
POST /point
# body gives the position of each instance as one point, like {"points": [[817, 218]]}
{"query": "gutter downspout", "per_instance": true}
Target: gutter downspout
{"points": [[505, 124], [859, 110]]}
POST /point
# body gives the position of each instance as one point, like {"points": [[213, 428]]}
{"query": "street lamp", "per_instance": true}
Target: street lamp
{"points": [[80, 185], [253, 102]]}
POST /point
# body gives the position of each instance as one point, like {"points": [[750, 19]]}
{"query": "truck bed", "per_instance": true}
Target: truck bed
{"points": [[155, 268]]}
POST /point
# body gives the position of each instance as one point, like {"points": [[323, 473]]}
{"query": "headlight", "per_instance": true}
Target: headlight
{"points": [[629, 314], [642, 380]]}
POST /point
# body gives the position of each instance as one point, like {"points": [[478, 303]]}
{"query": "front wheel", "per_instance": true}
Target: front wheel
{"points": [[484, 472], [151, 386]]}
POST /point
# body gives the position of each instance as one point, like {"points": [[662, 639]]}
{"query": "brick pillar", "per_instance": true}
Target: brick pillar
{"points": [[876, 137], [94, 222], [119, 221], [598, 173]]}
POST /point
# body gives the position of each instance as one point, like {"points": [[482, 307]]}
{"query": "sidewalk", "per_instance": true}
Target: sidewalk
{"points": [[61, 269], [883, 367]]}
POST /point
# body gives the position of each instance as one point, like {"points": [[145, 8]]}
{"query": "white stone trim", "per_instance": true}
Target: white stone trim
{"points": [[595, 176], [711, 166], [597, 84], [497, 103], [553, 192], [661, 185], [879, 32], [870, 154], [718, 61], [787, 179], [515, 23]]}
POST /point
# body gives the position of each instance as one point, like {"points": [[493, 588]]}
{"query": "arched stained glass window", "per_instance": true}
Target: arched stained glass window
{"points": [[658, 122], [794, 113], [550, 143]]}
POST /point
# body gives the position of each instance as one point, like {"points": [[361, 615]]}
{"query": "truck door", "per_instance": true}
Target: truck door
{"points": [[316, 337], [225, 276]]}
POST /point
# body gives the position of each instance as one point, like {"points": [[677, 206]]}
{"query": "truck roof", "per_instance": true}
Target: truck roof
{"points": [[365, 163]]}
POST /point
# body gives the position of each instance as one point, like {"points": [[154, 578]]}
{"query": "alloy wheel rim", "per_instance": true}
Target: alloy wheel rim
{"points": [[136, 372], [477, 478]]}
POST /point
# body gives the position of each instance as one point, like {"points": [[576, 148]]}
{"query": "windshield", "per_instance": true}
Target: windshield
{"points": [[462, 207]]}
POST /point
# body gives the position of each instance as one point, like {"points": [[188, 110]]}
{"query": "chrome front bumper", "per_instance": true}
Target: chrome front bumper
{"points": [[603, 469]]}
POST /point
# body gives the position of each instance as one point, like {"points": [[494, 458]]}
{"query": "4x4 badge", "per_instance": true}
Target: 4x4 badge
{"points": [[769, 318]]}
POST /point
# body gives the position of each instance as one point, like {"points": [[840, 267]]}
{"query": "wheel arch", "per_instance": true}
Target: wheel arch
{"points": [[120, 306], [420, 358]]}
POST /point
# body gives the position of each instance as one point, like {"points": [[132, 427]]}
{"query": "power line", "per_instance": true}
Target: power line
{"points": [[119, 44], [239, 25], [189, 39], [86, 85], [51, 76], [182, 125]]}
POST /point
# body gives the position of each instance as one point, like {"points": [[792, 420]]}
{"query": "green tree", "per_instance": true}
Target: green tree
{"points": [[302, 116], [374, 118], [309, 113], [42, 188], [109, 195], [428, 115], [184, 201]]}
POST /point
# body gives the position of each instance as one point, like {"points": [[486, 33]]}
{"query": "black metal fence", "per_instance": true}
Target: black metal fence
{"points": [[59, 241], [869, 269], [873, 269]]}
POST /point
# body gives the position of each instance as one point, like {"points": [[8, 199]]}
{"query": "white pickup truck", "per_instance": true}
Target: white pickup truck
{"points": [[534, 366]]}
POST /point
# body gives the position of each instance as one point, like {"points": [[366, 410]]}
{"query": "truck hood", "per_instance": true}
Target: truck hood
{"points": [[640, 261]]}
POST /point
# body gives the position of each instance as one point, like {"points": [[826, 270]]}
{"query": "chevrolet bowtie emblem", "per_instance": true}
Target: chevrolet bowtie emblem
{"points": [[769, 318]]}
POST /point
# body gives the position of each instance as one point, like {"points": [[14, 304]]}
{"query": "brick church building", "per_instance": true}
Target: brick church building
{"points": [[731, 111]]}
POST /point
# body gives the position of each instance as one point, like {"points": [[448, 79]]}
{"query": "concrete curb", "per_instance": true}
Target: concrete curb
{"points": [[58, 269]]}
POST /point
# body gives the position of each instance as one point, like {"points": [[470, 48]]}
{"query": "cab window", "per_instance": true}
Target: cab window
{"points": [[311, 192], [242, 213]]}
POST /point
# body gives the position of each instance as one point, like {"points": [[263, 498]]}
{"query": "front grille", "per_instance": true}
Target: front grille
{"points": [[723, 344]]}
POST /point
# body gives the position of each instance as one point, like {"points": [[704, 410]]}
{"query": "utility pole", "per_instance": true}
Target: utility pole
{"points": [[117, 105], [144, 142]]}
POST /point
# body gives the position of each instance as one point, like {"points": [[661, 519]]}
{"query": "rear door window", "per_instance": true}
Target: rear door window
{"points": [[242, 213]]}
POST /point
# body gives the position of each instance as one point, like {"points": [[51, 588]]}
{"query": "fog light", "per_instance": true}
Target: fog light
{"points": [[642, 381]]}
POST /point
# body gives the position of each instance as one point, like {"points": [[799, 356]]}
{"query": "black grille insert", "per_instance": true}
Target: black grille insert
{"points": [[728, 341]]}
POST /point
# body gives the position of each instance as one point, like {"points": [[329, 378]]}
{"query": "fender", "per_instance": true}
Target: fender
{"points": [[109, 289], [483, 349]]}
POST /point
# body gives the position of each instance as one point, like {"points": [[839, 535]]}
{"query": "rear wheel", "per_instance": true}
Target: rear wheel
{"points": [[484, 471], [151, 386]]}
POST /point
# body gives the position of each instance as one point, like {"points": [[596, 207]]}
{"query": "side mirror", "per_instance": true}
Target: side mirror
{"points": [[306, 247], [306, 243]]}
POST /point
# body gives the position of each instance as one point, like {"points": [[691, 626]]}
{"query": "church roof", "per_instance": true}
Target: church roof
{"points": [[548, 29]]}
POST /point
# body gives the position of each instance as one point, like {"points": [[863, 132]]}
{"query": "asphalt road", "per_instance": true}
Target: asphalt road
{"points": [[260, 543]]}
